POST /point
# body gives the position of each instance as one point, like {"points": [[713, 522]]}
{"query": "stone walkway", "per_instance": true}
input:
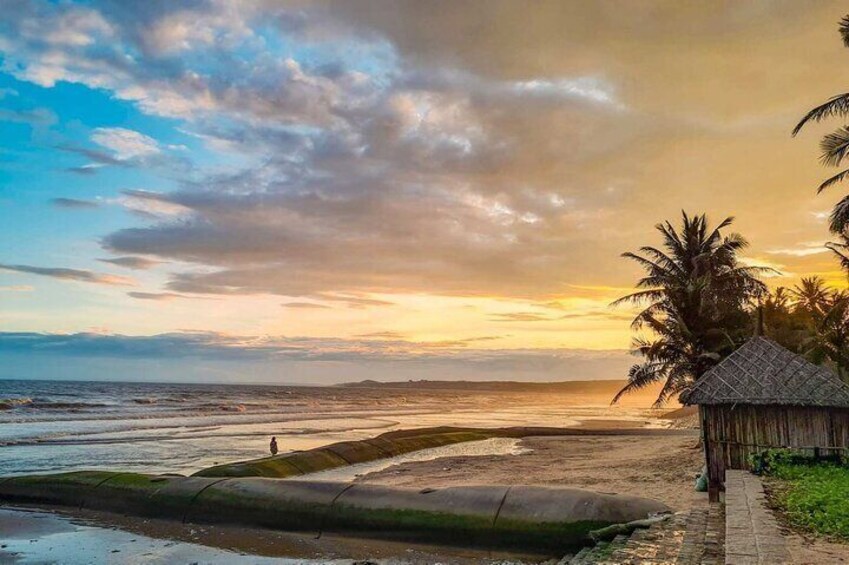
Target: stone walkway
{"points": [[687, 538], [743, 531], [752, 534]]}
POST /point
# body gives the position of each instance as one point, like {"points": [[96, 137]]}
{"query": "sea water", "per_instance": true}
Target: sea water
{"points": [[52, 426]]}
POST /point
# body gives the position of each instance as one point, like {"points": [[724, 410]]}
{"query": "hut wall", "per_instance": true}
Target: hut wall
{"points": [[733, 432]]}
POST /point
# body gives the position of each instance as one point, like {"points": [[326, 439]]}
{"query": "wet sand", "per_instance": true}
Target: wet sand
{"points": [[85, 537]]}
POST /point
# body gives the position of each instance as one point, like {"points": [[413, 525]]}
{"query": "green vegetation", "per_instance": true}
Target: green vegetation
{"points": [[700, 304], [812, 320], [811, 493], [695, 292]]}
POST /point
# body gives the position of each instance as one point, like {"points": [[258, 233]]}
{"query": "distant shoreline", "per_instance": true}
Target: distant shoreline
{"points": [[509, 385], [584, 386]]}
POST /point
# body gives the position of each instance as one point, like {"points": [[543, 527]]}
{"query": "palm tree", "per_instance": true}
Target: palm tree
{"points": [[812, 295], [694, 295], [829, 339], [834, 146], [780, 320]]}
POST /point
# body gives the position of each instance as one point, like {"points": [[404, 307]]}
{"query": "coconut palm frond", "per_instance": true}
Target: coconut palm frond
{"points": [[715, 234], [842, 252], [839, 177], [647, 264], [838, 220], [639, 297], [641, 376], [834, 147], [675, 382], [835, 106], [844, 30], [659, 257]]}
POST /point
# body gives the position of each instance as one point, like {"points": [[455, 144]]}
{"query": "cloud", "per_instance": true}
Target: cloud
{"points": [[396, 354], [521, 317], [125, 144], [775, 269], [506, 152], [304, 305], [368, 173], [35, 117], [801, 250], [88, 169], [75, 203], [70, 274], [157, 295], [150, 204], [354, 301], [609, 314], [138, 263], [382, 335], [16, 288]]}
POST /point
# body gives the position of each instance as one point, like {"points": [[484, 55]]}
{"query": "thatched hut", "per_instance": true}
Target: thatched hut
{"points": [[763, 396]]}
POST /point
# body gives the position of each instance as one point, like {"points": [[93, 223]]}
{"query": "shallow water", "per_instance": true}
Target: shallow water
{"points": [[40, 537], [30, 537], [50, 426], [492, 446]]}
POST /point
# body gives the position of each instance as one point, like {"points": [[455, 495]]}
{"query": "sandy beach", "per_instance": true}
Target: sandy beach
{"points": [[662, 467]]}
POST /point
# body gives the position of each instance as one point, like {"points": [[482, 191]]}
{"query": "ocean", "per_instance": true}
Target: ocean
{"points": [[53, 426]]}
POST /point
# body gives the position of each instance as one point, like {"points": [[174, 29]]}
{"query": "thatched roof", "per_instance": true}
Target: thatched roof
{"points": [[763, 372]]}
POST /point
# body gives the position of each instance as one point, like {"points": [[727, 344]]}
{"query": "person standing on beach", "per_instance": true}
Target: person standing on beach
{"points": [[273, 446]]}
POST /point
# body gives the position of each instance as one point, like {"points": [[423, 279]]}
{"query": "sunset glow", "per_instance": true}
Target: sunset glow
{"points": [[388, 187]]}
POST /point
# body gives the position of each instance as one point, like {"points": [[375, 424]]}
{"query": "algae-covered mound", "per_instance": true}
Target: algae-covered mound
{"points": [[347, 453], [534, 518], [385, 445]]}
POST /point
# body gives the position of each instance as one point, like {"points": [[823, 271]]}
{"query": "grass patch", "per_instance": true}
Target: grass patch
{"points": [[811, 495]]}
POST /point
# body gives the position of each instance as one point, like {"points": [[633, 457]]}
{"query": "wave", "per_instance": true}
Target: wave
{"points": [[224, 407], [10, 403], [66, 405], [29, 403]]}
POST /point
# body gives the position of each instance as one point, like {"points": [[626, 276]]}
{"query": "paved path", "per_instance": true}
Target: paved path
{"points": [[743, 531], [687, 538], [752, 536]]}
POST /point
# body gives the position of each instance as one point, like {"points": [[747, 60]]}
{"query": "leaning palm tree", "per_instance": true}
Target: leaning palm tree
{"points": [[834, 146], [693, 295]]}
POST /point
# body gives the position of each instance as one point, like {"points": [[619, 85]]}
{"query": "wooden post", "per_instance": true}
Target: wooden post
{"points": [[714, 483], [713, 491]]}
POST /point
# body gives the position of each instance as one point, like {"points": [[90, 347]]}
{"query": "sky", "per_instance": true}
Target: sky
{"points": [[319, 192]]}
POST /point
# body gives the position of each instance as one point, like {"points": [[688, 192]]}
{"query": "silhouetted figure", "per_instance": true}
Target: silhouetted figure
{"points": [[273, 446]]}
